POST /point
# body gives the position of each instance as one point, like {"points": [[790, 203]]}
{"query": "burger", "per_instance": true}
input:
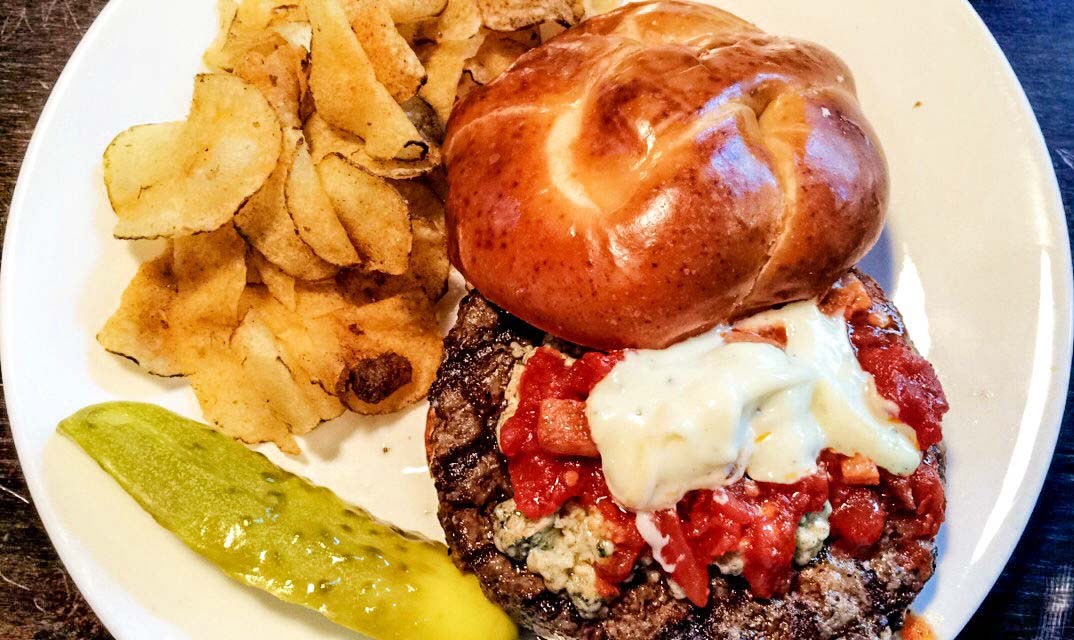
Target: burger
{"points": [[670, 407]]}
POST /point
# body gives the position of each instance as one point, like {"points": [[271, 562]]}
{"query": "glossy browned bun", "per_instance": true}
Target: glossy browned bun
{"points": [[658, 170]]}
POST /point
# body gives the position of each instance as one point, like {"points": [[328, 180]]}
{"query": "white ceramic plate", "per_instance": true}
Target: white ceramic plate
{"points": [[976, 254]]}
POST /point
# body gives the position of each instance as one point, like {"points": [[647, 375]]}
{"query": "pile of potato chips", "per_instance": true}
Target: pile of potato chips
{"points": [[302, 203]]}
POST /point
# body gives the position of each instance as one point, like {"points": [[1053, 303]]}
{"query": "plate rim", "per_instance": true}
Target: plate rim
{"points": [[1019, 513]]}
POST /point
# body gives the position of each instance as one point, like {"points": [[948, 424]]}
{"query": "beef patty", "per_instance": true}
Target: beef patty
{"points": [[835, 596]]}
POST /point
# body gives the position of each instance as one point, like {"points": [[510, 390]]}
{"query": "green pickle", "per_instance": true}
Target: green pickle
{"points": [[275, 531]]}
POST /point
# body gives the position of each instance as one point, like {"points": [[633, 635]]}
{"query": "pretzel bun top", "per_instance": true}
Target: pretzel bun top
{"points": [[658, 170]]}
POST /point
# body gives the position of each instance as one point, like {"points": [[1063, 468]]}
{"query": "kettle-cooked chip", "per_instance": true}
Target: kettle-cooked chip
{"points": [[275, 401], [409, 11], [210, 275], [313, 213], [395, 64], [444, 62], [372, 211], [508, 15], [280, 76], [299, 403], [250, 25], [326, 140], [428, 269], [466, 85], [139, 329], [266, 224], [237, 410], [461, 20], [176, 179], [346, 89], [496, 54], [280, 285], [398, 353]]}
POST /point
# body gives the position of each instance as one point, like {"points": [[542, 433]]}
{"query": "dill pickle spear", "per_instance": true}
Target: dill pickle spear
{"points": [[275, 531]]}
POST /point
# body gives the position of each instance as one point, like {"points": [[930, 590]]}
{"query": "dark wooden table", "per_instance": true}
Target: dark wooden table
{"points": [[1033, 598]]}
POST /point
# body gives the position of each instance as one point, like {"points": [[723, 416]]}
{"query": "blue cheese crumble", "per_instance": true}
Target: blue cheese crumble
{"points": [[563, 549]]}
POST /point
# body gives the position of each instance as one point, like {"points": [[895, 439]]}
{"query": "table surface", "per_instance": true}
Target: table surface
{"points": [[1032, 599]]}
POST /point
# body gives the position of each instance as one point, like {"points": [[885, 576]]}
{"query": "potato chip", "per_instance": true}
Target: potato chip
{"points": [[225, 12], [325, 140], [372, 211], [313, 214], [311, 343], [423, 31], [395, 64], [461, 20], [466, 85], [427, 272], [411, 11], [598, 7], [493, 58], [139, 329], [252, 275], [180, 305], [346, 90], [250, 25], [210, 275], [280, 76], [509, 15], [266, 224], [377, 358], [529, 37], [397, 355], [444, 62], [177, 179], [303, 259], [278, 283], [276, 399], [300, 404], [549, 30], [410, 30], [316, 299], [428, 267], [238, 410], [290, 329]]}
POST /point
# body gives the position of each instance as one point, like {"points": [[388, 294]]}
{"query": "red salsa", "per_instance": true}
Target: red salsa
{"points": [[552, 460]]}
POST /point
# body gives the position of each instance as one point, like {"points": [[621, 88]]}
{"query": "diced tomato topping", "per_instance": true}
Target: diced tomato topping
{"points": [[542, 378], [543, 482], [902, 377], [768, 546], [620, 527], [857, 518], [807, 495], [544, 479], [562, 429], [689, 572], [859, 470], [715, 522], [921, 499], [590, 369]]}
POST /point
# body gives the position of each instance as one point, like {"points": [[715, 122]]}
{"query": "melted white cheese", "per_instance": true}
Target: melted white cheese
{"points": [[692, 416], [646, 524]]}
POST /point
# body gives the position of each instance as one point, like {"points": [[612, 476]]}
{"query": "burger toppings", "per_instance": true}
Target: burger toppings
{"points": [[823, 408]]}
